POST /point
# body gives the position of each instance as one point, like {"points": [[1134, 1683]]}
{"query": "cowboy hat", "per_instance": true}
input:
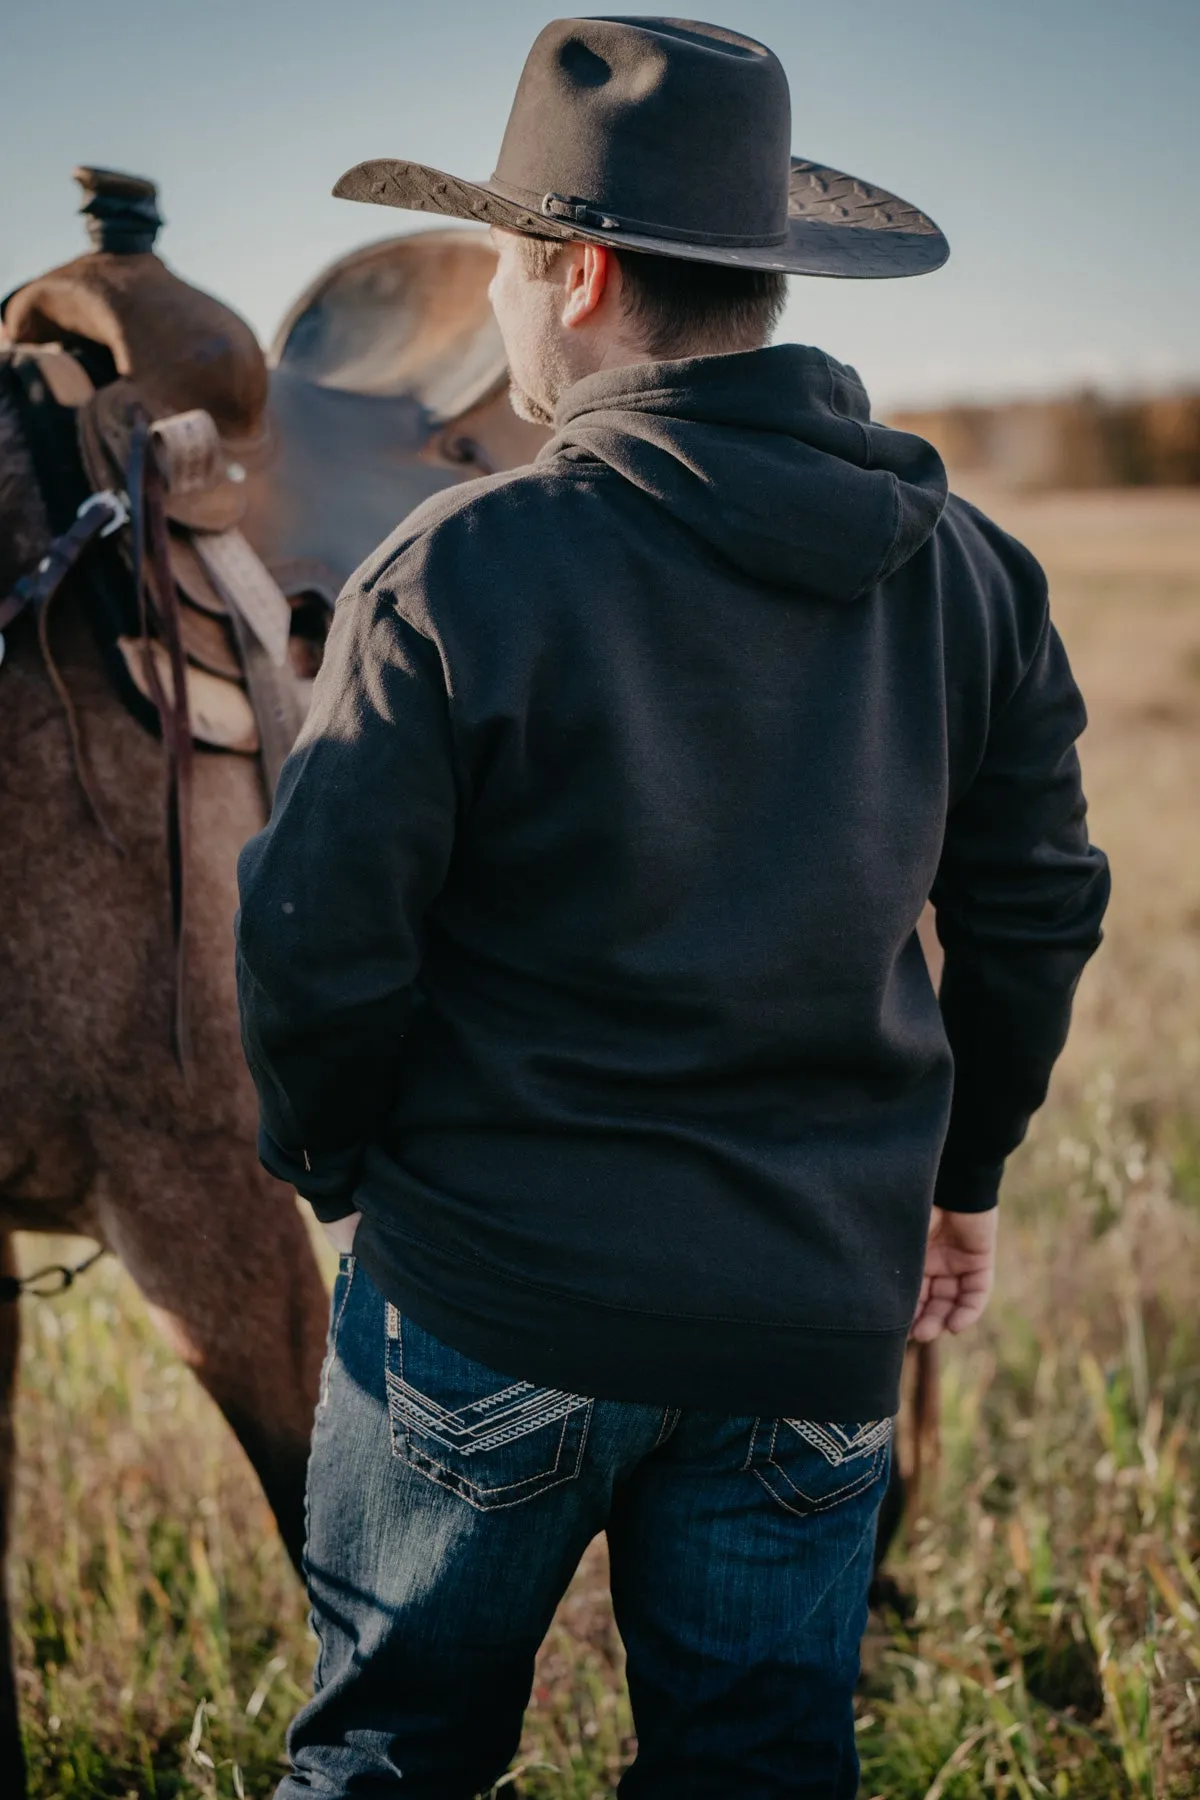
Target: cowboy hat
{"points": [[673, 137]]}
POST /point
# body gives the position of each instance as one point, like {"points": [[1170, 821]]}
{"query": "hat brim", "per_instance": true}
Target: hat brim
{"points": [[837, 225]]}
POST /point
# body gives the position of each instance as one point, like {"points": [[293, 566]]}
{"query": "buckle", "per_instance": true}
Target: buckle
{"points": [[117, 504], [578, 212]]}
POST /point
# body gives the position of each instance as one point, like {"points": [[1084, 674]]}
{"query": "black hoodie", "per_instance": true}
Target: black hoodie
{"points": [[580, 950]]}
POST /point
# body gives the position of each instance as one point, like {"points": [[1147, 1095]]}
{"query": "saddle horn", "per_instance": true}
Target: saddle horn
{"points": [[121, 210]]}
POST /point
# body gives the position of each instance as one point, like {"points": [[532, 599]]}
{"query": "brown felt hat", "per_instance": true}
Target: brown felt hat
{"points": [[673, 137]]}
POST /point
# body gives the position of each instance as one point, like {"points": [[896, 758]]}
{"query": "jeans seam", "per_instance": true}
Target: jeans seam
{"points": [[671, 1418], [754, 1430], [334, 1329]]}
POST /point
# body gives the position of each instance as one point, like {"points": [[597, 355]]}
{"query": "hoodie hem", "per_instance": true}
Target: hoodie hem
{"points": [[553, 1339]]}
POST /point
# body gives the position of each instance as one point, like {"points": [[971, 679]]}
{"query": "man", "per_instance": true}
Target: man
{"points": [[579, 966]]}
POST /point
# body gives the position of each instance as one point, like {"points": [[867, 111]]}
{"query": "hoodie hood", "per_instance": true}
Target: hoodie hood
{"points": [[771, 456]]}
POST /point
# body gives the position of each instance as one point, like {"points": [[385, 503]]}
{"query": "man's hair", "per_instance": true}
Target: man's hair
{"points": [[672, 302]]}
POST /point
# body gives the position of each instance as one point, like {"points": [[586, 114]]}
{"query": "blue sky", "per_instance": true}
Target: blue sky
{"points": [[1055, 141]]}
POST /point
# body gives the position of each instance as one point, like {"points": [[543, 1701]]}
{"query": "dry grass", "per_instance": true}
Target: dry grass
{"points": [[1056, 1646]]}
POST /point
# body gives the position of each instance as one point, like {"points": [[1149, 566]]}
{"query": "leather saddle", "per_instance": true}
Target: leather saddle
{"points": [[117, 362], [388, 382], [184, 348]]}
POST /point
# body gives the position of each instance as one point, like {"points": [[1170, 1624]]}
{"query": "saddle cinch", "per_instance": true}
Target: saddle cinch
{"points": [[212, 508]]}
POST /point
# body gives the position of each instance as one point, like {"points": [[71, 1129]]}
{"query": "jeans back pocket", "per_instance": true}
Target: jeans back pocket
{"points": [[493, 1441], [812, 1465]]}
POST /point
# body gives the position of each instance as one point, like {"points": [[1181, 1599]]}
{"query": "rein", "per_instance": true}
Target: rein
{"points": [[60, 1276], [98, 516], [148, 523]]}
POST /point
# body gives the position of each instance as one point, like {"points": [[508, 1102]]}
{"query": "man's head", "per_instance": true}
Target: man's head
{"points": [[568, 309], [646, 205]]}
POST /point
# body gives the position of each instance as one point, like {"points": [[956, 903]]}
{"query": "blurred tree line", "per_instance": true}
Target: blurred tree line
{"points": [[1083, 440]]}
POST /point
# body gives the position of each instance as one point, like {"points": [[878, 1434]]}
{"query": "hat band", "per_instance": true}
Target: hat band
{"points": [[570, 209]]}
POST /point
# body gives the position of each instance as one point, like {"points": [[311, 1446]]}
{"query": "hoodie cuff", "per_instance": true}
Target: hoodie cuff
{"points": [[966, 1186], [328, 1181]]}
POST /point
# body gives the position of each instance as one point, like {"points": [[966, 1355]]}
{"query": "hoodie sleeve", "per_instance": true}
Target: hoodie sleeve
{"points": [[333, 894], [1020, 894]]}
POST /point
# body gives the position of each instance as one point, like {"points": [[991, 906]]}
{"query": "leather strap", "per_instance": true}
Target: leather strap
{"points": [[181, 750], [65, 377], [51, 434], [276, 702], [260, 615], [151, 556], [98, 515]]}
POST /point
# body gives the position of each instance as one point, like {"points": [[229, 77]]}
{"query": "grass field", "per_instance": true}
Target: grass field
{"points": [[1055, 1647]]}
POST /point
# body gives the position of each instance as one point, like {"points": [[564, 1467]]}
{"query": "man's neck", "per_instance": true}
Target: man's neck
{"points": [[595, 358], [622, 355]]}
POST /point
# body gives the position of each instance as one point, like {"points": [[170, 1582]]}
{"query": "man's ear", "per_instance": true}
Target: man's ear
{"points": [[590, 271]]}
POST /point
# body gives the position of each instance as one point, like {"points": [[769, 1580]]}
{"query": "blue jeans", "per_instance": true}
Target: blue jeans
{"points": [[448, 1509]]}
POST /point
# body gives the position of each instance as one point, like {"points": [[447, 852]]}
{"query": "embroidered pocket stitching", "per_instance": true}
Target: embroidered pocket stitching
{"points": [[835, 1446], [458, 1484], [450, 1429], [869, 1441], [847, 1490], [399, 1390]]}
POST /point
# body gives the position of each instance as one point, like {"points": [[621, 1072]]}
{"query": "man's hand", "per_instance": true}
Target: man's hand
{"points": [[960, 1265], [341, 1233]]}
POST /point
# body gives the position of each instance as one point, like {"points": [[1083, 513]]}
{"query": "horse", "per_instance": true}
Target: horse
{"points": [[106, 1130]]}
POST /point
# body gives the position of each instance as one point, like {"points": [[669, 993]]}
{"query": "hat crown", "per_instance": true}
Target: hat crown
{"points": [[663, 123]]}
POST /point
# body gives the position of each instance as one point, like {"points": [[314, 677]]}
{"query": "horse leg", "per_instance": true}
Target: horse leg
{"points": [[12, 1757], [906, 1490], [222, 1256], [886, 1594]]}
